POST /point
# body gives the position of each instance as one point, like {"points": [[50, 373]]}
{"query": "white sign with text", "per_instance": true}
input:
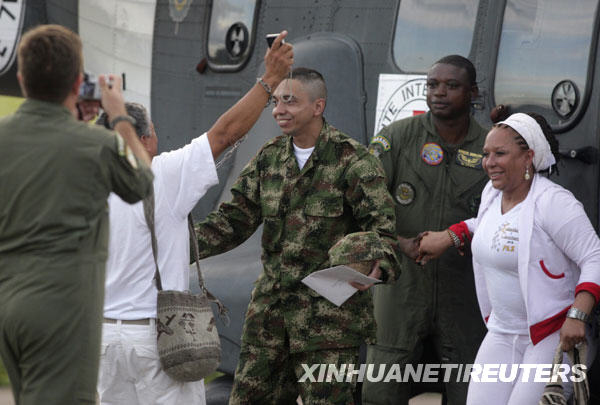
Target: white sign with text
{"points": [[399, 96], [11, 24]]}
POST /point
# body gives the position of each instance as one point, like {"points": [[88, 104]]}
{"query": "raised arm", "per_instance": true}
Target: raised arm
{"points": [[114, 105], [433, 244], [238, 120]]}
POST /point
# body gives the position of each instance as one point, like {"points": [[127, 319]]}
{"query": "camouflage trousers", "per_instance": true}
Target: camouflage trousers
{"points": [[269, 373]]}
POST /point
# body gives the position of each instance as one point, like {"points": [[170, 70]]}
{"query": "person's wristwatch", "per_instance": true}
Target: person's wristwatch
{"points": [[575, 313], [120, 118]]}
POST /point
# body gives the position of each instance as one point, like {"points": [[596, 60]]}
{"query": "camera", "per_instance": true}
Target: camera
{"points": [[90, 88], [271, 37]]}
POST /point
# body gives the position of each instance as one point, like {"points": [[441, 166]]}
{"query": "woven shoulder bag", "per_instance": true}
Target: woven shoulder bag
{"points": [[188, 342]]}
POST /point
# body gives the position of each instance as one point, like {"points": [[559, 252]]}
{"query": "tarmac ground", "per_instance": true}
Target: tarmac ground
{"points": [[423, 399], [6, 397]]}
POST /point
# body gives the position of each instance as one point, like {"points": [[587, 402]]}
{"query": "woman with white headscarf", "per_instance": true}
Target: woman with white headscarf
{"points": [[536, 259]]}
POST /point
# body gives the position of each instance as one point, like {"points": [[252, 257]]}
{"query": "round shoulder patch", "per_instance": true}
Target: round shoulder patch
{"points": [[405, 193], [432, 154]]}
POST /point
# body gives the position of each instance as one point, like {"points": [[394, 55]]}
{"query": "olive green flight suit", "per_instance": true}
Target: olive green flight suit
{"points": [[434, 185], [55, 176]]}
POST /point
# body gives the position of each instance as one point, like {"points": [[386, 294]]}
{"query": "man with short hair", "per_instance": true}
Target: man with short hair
{"points": [[55, 176], [130, 371], [310, 188], [433, 167]]}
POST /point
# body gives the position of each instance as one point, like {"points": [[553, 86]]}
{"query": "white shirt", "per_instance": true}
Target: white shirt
{"points": [[302, 155], [559, 255], [181, 178], [496, 246]]}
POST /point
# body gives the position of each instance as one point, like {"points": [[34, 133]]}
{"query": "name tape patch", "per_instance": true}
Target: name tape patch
{"points": [[469, 159]]}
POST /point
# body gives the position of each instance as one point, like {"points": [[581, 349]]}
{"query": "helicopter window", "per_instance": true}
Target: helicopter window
{"points": [[231, 34], [443, 27], [543, 57]]}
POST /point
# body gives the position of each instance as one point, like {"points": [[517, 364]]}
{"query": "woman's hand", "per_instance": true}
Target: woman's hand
{"points": [[571, 333], [573, 330], [432, 245]]}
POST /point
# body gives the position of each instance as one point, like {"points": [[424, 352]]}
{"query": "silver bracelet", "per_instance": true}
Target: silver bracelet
{"points": [[455, 239], [267, 88], [578, 314], [120, 118]]}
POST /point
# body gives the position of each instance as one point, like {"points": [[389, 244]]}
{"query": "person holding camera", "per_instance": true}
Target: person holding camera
{"points": [[55, 177], [130, 369]]}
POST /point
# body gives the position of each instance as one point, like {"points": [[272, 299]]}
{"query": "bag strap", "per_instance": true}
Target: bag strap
{"points": [[148, 203], [223, 311], [149, 215], [553, 391], [581, 387]]}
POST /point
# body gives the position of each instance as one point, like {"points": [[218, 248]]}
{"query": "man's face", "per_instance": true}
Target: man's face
{"points": [[449, 91], [150, 142], [294, 110]]}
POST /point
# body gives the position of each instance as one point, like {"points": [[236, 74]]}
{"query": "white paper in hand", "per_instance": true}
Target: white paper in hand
{"points": [[333, 283]]}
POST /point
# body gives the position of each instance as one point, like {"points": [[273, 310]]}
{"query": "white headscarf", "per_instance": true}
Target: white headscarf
{"points": [[531, 131]]}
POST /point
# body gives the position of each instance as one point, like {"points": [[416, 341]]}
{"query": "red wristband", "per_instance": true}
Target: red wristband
{"points": [[462, 231]]}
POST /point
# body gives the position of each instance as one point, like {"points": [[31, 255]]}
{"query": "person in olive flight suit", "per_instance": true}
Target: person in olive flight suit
{"points": [[433, 167], [55, 177]]}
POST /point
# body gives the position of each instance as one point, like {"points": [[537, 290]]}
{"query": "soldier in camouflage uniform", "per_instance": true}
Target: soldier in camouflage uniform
{"points": [[307, 201], [433, 167]]}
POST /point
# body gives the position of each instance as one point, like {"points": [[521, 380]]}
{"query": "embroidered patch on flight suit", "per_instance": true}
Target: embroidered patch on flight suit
{"points": [[120, 144], [405, 193], [468, 159], [131, 157], [432, 154], [383, 141], [125, 151]]}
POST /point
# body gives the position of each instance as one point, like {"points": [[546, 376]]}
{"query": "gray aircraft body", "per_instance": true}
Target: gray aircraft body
{"points": [[530, 55]]}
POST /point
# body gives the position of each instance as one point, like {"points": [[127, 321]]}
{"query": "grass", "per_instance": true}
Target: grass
{"points": [[213, 376], [4, 382]]}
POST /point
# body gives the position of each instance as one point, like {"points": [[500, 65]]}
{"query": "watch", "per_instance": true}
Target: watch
{"points": [[575, 313], [120, 118]]}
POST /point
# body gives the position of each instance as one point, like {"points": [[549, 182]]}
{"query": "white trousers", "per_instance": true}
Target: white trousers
{"points": [[130, 371], [501, 348]]}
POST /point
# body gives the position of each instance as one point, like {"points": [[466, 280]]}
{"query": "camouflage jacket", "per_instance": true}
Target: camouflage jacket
{"points": [[340, 190]]}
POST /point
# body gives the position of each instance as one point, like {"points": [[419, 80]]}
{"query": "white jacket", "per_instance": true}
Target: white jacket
{"points": [[558, 256]]}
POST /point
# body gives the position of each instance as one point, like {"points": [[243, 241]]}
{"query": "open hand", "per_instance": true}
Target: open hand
{"points": [[279, 59], [375, 273], [112, 96]]}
